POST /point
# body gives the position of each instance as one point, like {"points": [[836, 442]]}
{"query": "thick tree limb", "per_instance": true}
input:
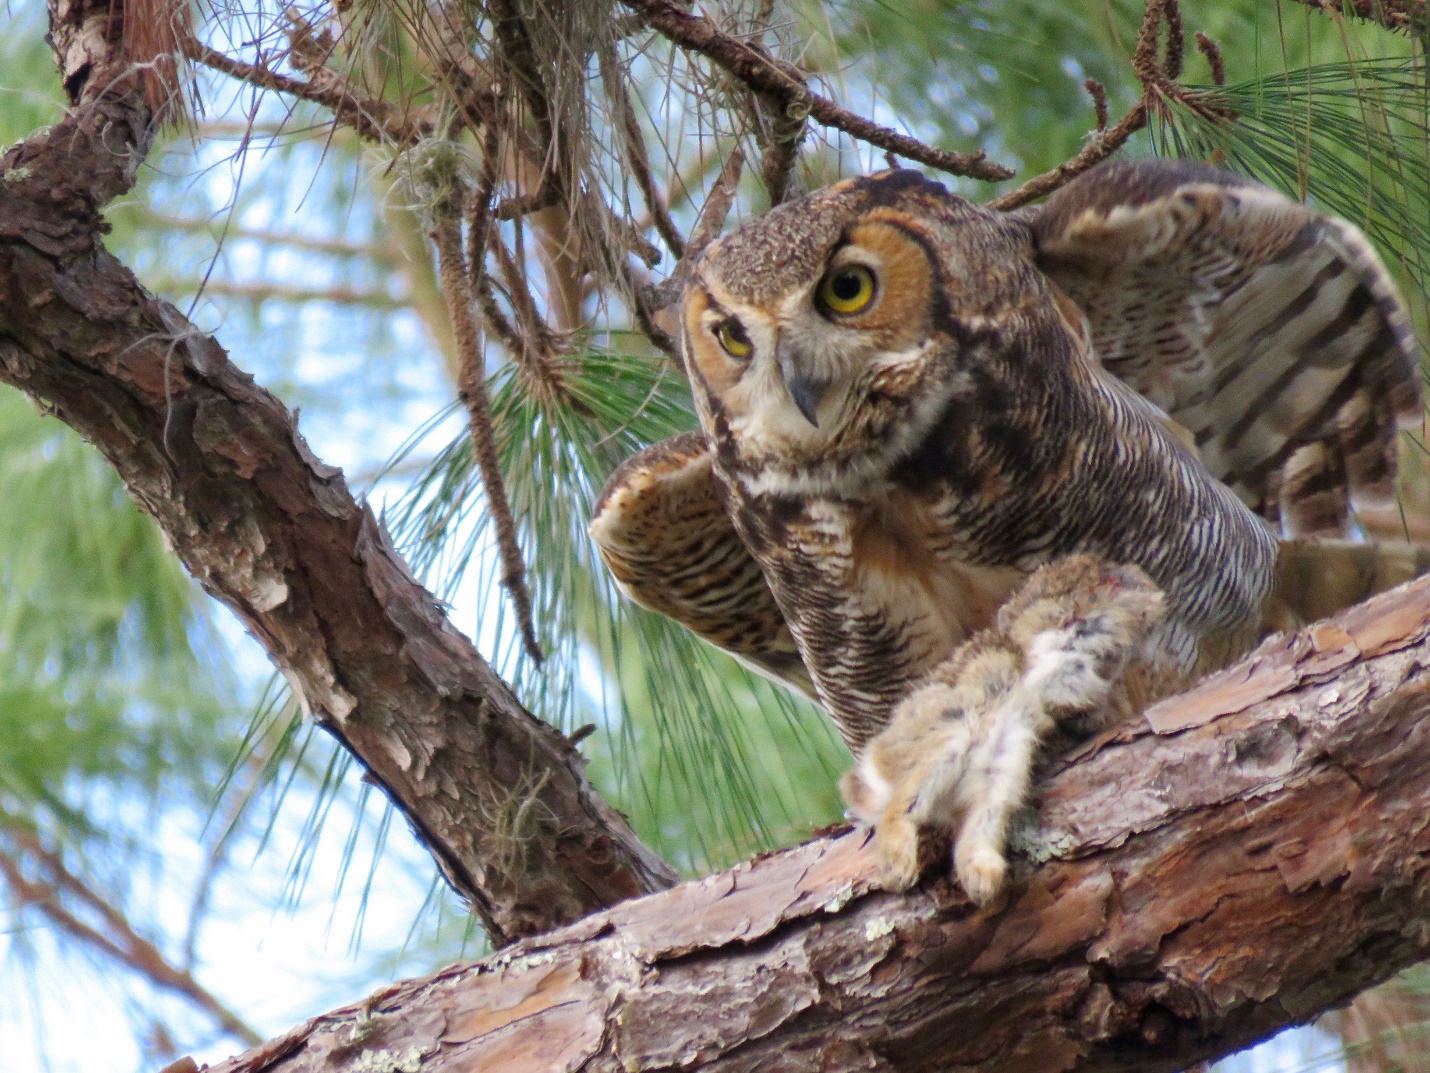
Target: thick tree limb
{"points": [[498, 796], [1242, 858]]}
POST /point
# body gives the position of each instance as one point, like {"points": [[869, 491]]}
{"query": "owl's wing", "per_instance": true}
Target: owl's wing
{"points": [[662, 527], [1271, 332]]}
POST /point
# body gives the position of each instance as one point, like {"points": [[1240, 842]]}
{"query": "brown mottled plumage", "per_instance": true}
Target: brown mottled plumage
{"points": [[908, 403], [665, 533], [1270, 332]]}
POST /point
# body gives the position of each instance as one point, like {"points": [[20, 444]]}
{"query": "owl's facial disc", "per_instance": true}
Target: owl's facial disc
{"points": [[791, 370]]}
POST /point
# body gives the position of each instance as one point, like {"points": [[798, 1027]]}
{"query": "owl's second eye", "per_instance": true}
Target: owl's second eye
{"points": [[731, 336], [847, 290]]}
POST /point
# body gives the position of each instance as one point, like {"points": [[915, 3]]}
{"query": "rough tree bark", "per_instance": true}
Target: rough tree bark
{"points": [[1242, 858], [497, 795]]}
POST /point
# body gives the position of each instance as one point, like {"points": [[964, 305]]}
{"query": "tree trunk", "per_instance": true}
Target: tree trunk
{"points": [[498, 796], [1242, 858]]}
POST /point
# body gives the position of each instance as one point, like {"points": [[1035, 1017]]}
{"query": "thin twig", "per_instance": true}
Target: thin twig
{"points": [[509, 208], [375, 120], [334, 247], [472, 386], [635, 154], [1212, 51], [496, 319], [1098, 148], [711, 220], [123, 943], [762, 74], [644, 314], [258, 291], [479, 205], [717, 205], [1405, 16]]}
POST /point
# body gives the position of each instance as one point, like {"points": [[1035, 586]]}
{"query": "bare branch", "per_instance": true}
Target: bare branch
{"points": [[1099, 147], [472, 385], [717, 205], [712, 219], [335, 247], [1405, 16], [764, 75], [375, 120], [291, 293], [119, 942]]}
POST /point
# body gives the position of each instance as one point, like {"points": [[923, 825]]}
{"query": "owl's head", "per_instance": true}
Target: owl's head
{"points": [[830, 333]]}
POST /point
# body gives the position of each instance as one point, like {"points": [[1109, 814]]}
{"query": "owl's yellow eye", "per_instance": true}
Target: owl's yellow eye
{"points": [[733, 339], [847, 290]]}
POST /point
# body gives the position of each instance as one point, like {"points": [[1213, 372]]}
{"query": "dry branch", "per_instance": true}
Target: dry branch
{"points": [[1099, 146], [1242, 858], [374, 120], [1406, 16], [765, 76], [472, 385], [115, 938], [276, 535]]}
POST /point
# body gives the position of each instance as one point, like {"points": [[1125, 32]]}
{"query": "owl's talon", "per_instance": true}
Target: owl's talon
{"points": [[981, 872], [960, 751], [896, 845]]}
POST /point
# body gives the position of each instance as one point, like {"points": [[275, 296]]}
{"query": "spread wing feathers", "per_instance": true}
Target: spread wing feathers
{"points": [[663, 529], [1317, 578], [1271, 332]]}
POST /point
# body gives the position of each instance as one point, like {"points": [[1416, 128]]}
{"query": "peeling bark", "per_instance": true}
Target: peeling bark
{"points": [[497, 795], [1242, 858]]}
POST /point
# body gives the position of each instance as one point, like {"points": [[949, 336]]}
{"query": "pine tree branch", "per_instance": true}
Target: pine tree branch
{"points": [[277, 536], [375, 120], [117, 940], [472, 386], [764, 75], [1404, 16], [1239, 860]]}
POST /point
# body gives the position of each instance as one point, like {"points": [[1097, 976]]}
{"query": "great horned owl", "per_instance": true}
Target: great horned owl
{"points": [[909, 402], [1069, 651]]}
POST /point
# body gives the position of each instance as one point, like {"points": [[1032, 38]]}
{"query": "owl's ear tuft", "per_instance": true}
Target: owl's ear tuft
{"points": [[886, 188]]}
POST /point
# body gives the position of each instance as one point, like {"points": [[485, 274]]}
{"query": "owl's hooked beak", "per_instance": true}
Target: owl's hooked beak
{"points": [[805, 388]]}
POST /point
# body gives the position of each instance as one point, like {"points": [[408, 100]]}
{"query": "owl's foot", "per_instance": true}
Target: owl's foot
{"points": [[896, 845], [981, 869], [960, 750]]}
